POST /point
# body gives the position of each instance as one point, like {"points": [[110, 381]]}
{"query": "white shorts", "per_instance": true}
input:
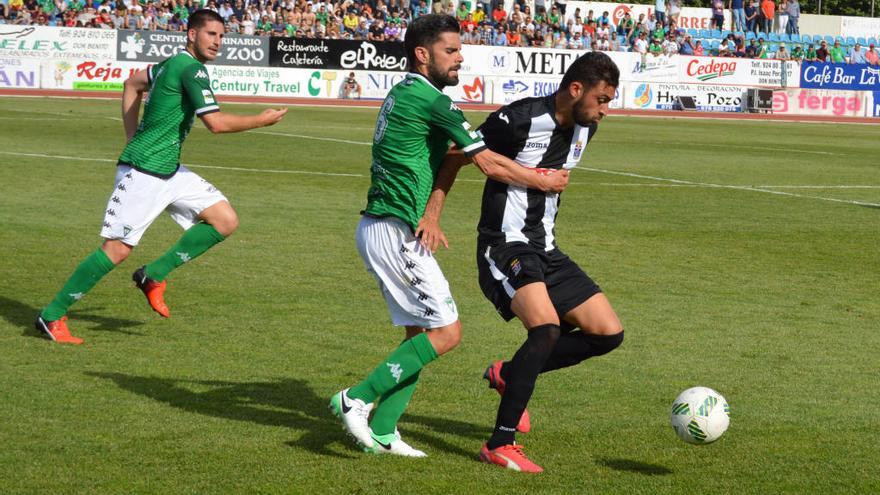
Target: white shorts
{"points": [[411, 281], [138, 198]]}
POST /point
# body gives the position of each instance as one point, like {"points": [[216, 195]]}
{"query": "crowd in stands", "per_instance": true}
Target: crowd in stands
{"points": [[759, 29]]}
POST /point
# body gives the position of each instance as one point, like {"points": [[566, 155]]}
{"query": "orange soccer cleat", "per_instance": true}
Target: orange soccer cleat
{"points": [[155, 291], [57, 330], [493, 374], [509, 456]]}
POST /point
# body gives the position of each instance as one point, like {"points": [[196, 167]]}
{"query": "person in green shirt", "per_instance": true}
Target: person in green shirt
{"points": [[150, 178], [655, 48], [797, 53], [838, 54], [811, 55], [321, 15], [398, 233]]}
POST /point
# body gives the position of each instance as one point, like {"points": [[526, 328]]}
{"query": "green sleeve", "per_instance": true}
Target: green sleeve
{"points": [[197, 88], [449, 118]]}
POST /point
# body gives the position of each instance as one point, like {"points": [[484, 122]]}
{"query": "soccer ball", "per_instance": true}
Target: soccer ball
{"points": [[700, 415]]}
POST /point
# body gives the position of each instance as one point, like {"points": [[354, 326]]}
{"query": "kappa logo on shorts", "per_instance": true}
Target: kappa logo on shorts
{"points": [[126, 230], [515, 266], [422, 296]]}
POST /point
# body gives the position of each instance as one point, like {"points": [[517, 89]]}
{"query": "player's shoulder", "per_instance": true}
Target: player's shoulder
{"points": [[524, 110], [187, 65], [417, 87]]}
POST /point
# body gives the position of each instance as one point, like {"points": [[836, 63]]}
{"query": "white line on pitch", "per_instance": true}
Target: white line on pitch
{"points": [[612, 172], [722, 186]]}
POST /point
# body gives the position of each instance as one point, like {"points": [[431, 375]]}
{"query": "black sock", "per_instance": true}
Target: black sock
{"points": [[521, 373], [574, 347]]}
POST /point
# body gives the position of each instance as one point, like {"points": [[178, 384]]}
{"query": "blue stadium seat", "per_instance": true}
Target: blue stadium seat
{"points": [[795, 38], [750, 35], [774, 37], [872, 41], [693, 32], [850, 40], [716, 33], [829, 39], [817, 38], [725, 33], [861, 40], [705, 33], [773, 49], [785, 38]]}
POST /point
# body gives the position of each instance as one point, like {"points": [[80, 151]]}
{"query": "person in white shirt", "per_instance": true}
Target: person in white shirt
{"points": [[670, 46]]}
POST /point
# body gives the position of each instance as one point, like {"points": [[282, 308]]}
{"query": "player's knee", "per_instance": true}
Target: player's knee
{"points": [[117, 251], [544, 337], [446, 338], [227, 224], [603, 344]]}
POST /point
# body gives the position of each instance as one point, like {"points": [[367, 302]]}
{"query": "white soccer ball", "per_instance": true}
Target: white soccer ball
{"points": [[700, 415]]}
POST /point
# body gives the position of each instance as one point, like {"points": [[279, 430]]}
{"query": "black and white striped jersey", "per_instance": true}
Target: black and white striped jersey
{"points": [[527, 132]]}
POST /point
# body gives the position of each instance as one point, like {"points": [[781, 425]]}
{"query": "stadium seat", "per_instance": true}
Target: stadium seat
{"points": [[750, 35], [716, 33], [850, 41], [705, 33], [862, 41], [829, 39], [725, 33], [872, 41], [795, 38], [785, 38], [693, 32], [817, 38], [773, 49], [774, 37]]}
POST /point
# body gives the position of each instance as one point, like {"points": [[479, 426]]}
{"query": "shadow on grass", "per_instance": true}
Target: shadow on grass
{"points": [[287, 403], [634, 466], [22, 315]]}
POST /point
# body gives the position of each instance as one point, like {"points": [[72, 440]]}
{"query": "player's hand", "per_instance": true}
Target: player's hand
{"points": [[272, 116], [554, 181], [430, 235]]}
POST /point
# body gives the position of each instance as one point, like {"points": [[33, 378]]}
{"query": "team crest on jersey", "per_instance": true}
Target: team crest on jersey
{"points": [[578, 149], [201, 74], [208, 95], [515, 266]]}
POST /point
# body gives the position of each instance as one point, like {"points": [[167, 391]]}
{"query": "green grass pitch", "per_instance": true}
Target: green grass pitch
{"points": [[739, 255]]}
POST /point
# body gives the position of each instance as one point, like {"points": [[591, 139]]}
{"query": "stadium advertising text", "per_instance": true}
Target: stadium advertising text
{"points": [[856, 77], [57, 43], [821, 102], [254, 81], [87, 75], [19, 73], [155, 46], [337, 54]]}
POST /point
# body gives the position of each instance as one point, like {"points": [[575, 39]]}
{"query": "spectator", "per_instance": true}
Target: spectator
{"points": [[768, 10], [670, 46], [782, 18], [698, 49], [822, 53], [797, 54], [737, 11], [625, 26], [471, 36], [350, 22], [576, 42], [462, 12], [871, 56], [350, 87], [514, 37], [487, 34], [377, 31], [810, 55], [247, 25], [687, 46], [718, 14], [362, 32], [614, 43], [794, 15], [857, 56], [674, 11], [499, 15], [660, 11], [650, 22], [752, 49], [226, 11], [838, 55], [752, 15], [763, 50], [781, 53], [500, 38], [655, 48]]}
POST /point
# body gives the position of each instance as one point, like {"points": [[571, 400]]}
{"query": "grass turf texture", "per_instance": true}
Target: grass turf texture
{"points": [[770, 299]]}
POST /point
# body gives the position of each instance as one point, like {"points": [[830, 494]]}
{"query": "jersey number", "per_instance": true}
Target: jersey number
{"points": [[382, 121]]}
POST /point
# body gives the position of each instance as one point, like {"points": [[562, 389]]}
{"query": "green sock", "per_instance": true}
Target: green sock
{"points": [[392, 404], [86, 275], [195, 241], [401, 364]]}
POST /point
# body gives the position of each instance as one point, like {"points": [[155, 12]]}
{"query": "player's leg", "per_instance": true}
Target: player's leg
{"points": [[130, 211], [207, 218], [418, 297], [600, 333]]}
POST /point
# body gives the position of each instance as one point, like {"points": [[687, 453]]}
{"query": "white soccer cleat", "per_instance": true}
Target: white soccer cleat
{"points": [[392, 444], [354, 414]]}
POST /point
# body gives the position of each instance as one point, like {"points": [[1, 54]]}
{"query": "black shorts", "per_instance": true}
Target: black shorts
{"points": [[506, 267]]}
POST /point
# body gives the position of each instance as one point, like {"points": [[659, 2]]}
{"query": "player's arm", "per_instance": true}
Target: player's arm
{"points": [[220, 122], [132, 92], [428, 230], [197, 86]]}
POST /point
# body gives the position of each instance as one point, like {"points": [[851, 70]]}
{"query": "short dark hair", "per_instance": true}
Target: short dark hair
{"points": [[425, 31], [590, 69], [201, 17]]}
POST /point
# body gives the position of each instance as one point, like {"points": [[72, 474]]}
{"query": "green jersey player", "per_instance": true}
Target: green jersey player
{"points": [[397, 235], [150, 178]]}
